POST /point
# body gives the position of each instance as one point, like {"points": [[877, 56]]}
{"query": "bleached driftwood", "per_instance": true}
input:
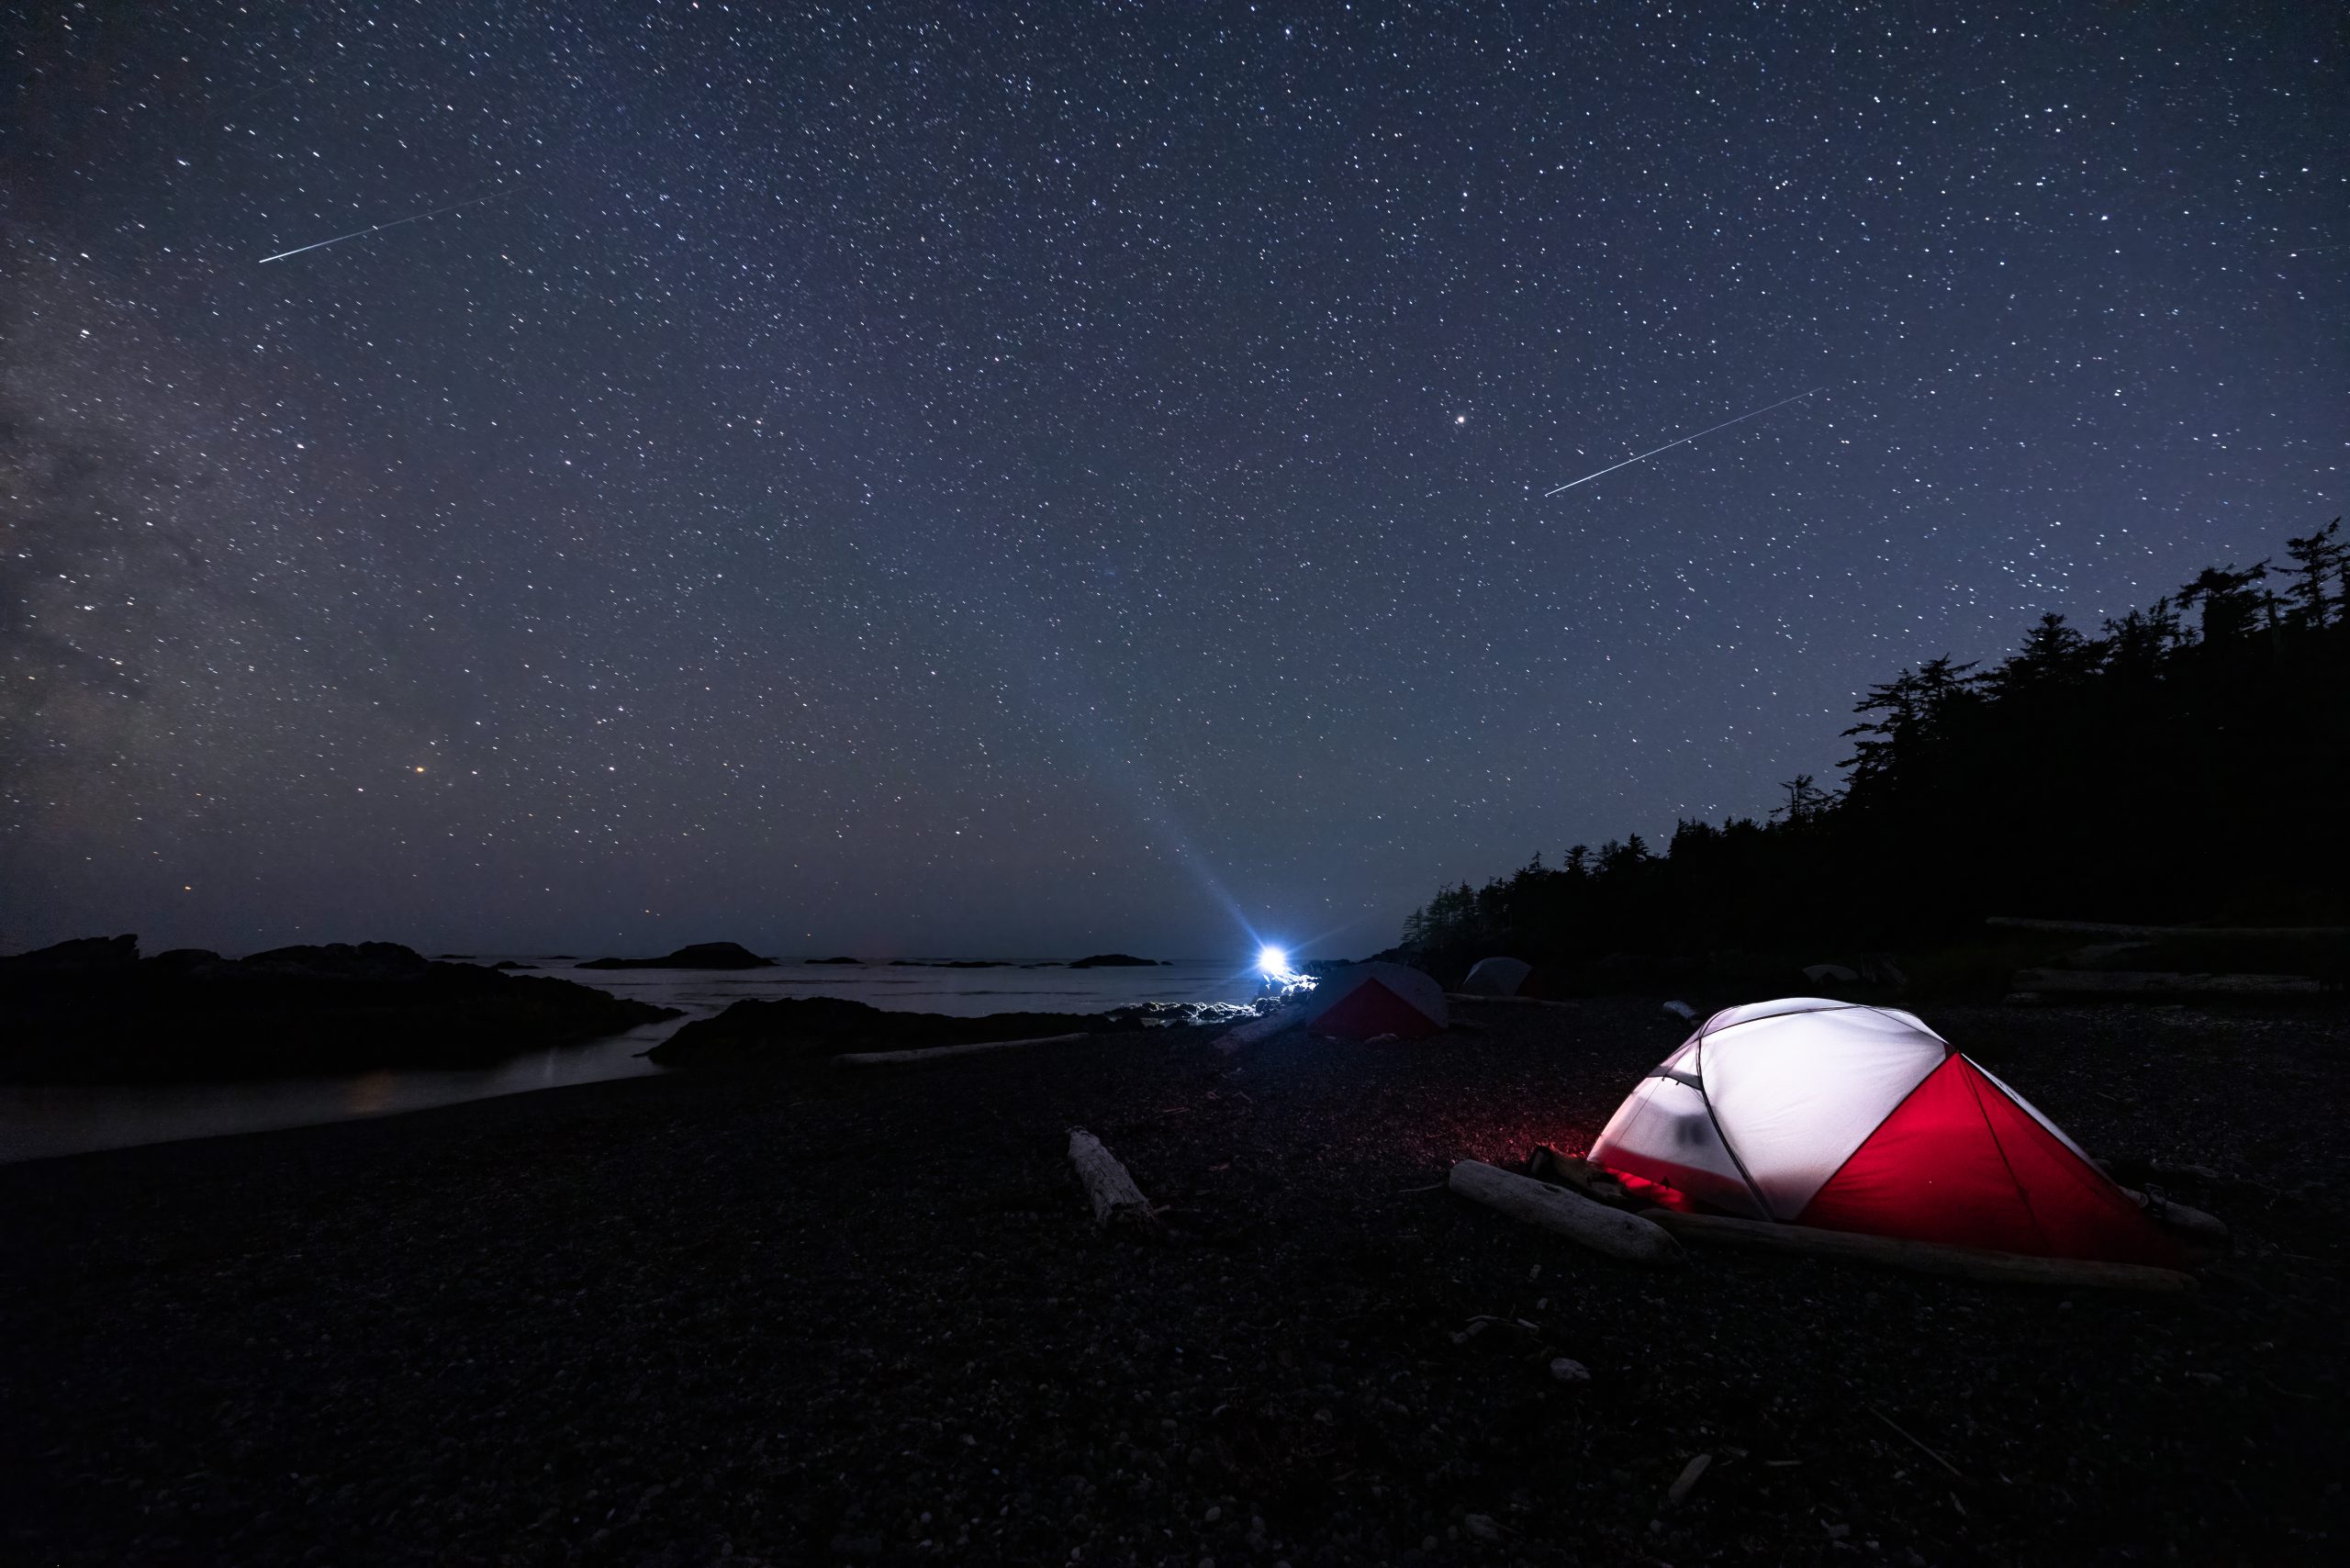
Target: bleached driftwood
{"points": [[1518, 1001], [1595, 1226], [940, 1053], [1117, 1199], [1257, 1030], [2144, 983], [1920, 1257], [1690, 1473]]}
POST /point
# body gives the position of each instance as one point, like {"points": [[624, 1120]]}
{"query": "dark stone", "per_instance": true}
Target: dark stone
{"points": [[1114, 961], [96, 1014], [336, 961], [698, 956], [751, 1034]]}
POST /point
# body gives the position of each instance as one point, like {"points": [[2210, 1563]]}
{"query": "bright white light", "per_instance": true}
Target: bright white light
{"points": [[1272, 960]]}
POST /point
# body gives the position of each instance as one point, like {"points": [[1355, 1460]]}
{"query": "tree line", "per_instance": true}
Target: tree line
{"points": [[2189, 761]]}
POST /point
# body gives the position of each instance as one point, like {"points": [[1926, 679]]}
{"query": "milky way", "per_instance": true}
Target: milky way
{"points": [[1013, 480]]}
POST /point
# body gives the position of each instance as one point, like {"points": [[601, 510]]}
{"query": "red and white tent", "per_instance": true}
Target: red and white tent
{"points": [[1821, 1112], [1363, 1000]]}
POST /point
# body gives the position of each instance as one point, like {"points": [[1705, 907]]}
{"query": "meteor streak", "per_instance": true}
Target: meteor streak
{"points": [[378, 228], [1669, 445]]}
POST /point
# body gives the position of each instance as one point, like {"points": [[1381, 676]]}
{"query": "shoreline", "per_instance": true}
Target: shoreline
{"points": [[782, 1318]]}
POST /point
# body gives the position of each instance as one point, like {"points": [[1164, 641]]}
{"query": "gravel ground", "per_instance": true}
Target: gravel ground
{"points": [[835, 1317]]}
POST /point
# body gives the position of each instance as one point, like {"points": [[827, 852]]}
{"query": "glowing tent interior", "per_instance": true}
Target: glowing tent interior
{"points": [[1364, 1001], [1818, 1113]]}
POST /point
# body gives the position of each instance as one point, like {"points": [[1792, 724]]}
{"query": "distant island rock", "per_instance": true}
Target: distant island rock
{"points": [[698, 956], [1114, 961], [760, 1033], [859, 962], [92, 1010]]}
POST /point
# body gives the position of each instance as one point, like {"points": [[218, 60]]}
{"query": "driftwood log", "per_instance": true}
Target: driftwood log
{"points": [[2224, 933], [1117, 1202], [2144, 983], [1595, 1226], [2203, 1234], [1920, 1257], [940, 1053]]}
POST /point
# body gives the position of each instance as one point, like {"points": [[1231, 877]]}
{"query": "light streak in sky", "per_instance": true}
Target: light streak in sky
{"points": [[1669, 445], [378, 228]]}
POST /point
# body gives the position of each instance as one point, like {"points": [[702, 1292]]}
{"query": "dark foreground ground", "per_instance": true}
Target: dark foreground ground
{"points": [[847, 1317]]}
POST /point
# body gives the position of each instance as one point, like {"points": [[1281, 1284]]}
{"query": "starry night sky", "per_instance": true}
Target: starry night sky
{"points": [[1012, 480]]}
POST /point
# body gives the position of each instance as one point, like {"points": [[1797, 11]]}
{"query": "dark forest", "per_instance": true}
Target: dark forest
{"points": [[2183, 763]]}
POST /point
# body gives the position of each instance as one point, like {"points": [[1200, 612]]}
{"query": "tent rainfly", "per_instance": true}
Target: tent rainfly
{"points": [[1506, 976], [1364, 1001], [1818, 1113]]}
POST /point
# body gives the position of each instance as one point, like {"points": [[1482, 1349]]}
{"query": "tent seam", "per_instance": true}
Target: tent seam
{"points": [[1894, 1111], [1731, 1149], [2006, 1164]]}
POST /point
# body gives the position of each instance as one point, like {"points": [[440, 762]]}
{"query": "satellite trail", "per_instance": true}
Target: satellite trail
{"points": [[1669, 445], [395, 223]]}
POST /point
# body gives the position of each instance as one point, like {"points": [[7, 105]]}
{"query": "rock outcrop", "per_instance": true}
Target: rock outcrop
{"points": [[697, 956], [94, 1011]]}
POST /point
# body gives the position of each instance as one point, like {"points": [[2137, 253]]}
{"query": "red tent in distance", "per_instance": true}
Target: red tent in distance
{"points": [[1819, 1112], [1363, 1002]]}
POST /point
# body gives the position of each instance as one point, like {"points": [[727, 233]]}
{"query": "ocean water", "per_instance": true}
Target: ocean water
{"points": [[41, 1121]]}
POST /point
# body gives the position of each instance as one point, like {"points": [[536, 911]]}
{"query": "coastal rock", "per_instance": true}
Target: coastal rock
{"points": [[79, 955], [856, 962], [696, 955], [94, 1013], [335, 961], [755, 1033], [1114, 961]]}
